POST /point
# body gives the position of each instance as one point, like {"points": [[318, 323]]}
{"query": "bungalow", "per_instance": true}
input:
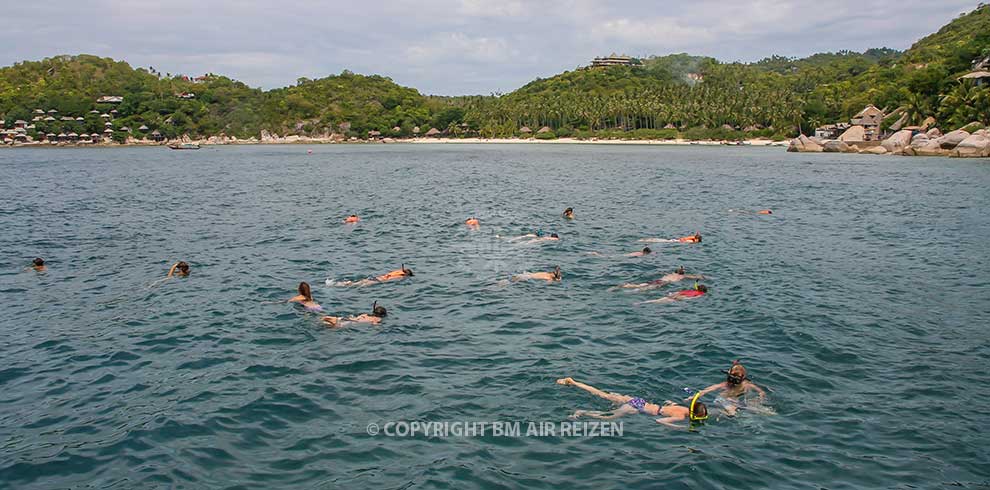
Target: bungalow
{"points": [[830, 131], [20, 123], [434, 132], [156, 136], [615, 60], [50, 119], [80, 119], [94, 111], [39, 111], [52, 111], [68, 119], [105, 116], [980, 78], [869, 118], [525, 130], [143, 128], [110, 99]]}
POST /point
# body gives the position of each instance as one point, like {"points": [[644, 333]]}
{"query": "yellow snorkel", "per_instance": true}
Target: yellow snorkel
{"points": [[696, 288], [691, 410]]}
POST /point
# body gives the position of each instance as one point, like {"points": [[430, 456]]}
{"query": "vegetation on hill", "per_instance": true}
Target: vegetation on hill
{"points": [[665, 97]]}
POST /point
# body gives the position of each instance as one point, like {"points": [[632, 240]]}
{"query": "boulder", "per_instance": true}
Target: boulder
{"points": [[804, 144], [930, 149], [837, 147], [816, 140], [855, 133], [934, 133], [875, 150], [929, 122], [897, 141], [919, 140], [982, 132], [952, 139], [976, 146]]}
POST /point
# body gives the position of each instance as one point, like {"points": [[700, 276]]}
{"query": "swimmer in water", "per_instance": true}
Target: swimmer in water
{"points": [[569, 213], [538, 237], [669, 412], [305, 298], [472, 223], [676, 276], [38, 264], [696, 238], [352, 219], [395, 275], [698, 291], [377, 313], [645, 251], [736, 385], [764, 211], [180, 269], [554, 276]]}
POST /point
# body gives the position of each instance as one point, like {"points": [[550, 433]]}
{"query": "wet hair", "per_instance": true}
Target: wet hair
{"points": [[305, 291], [38, 262], [378, 311], [554, 235], [406, 272], [568, 211], [736, 374], [679, 270], [700, 410], [646, 250], [697, 236], [702, 288], [182, 267], [556, 272]]}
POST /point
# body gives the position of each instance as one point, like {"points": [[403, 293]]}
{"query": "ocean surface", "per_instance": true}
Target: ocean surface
{"points": [[861, 305]]}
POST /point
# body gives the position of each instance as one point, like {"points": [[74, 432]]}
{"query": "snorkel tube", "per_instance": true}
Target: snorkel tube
{"points": [[693, 419]]}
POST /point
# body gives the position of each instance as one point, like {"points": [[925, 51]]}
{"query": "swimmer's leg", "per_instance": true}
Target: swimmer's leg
{"points": [[613, 397], [606, 415], [658, 300]]}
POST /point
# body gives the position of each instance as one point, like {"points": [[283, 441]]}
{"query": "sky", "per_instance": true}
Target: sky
{"points": [[448, 47]]}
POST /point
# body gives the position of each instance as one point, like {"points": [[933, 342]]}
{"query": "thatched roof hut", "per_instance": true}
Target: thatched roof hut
{"points": [[52, 111], [396, 129], [104, 115], [544, 129], [143, 128], [416, 130], [108, 131], [50, 119], [374, 133], [525, 130], [80, 118], [433, 132], [39, 111]]}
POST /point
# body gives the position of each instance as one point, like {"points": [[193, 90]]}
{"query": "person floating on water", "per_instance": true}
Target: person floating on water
{"points": [[38, 264], [645, 251], [676, 276], [472, 223], [697, 291], [554, 276], [377, 313], [537, 237], [569, 213], [395, 275], [669, 412], [305, 298], [736, 385], [696, 238], [762, 211], [352, 219], [180, 268]]}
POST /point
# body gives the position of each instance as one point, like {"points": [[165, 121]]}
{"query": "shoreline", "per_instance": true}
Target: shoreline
{"points": [[407, 141]]}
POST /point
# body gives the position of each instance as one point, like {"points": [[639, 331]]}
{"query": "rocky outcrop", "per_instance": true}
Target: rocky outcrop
{"points": [[855, 133], [837, 147], [804, 144], [929, 122], [897, 141], [952, 139], [875, 150], [976, 145], [933, 133]]}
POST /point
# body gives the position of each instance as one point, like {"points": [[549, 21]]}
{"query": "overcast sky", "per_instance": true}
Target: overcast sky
{"points": [[448, 47]]}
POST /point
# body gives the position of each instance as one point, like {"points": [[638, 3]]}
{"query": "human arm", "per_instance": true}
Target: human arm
{"points": [[171, 271], [752, 386], [669, 422], [707, 390]]}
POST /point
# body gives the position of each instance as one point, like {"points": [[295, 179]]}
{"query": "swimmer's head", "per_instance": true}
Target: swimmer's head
{"points": [[556, 273], [406, 272], [701, 287], [378, 311], [305, 291], [736, 374], [647, 251], [697, 236], [554, 235], [568, 211], [183, 268], [38, 262], [700, 412], [680, 270]]}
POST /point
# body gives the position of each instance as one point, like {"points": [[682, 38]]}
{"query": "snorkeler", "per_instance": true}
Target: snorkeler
{"points": [[645, 251], [698, 291], [352, 219], [395, 275], [537, 237], [569, 213], [472, 223], [676, 276], [627, 405], [38, 264], [305, 298], [696, 238], [377, 313], [764, 211], [180, 268], [736, 385], [541, 276]]}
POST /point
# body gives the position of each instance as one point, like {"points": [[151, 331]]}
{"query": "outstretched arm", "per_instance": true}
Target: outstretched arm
{"points": [[669, 422], [172, 270], [708, 390]]}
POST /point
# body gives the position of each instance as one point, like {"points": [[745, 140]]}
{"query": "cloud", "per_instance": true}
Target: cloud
{"points": [[447, 46]]}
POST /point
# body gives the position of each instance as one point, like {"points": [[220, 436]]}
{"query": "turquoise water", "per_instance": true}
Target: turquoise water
{"points": [[862, 304]]}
